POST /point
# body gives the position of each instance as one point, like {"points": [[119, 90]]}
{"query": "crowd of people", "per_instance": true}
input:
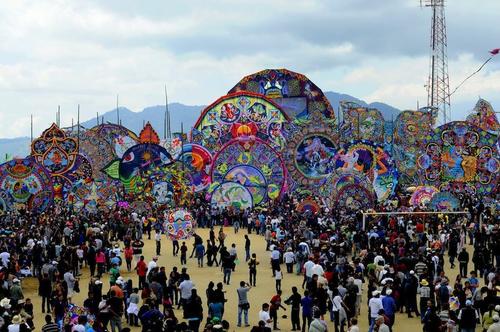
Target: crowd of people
{"points": [[391, 265]]}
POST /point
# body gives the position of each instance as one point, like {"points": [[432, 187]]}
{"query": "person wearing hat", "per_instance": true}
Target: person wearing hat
{"points": [[16, 292], [467, 317], [488, 317], [410, 293], [390, 308], [16, 323], [495, 327], [425, 294]]}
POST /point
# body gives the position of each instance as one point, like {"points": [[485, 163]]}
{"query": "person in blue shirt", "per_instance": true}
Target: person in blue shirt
{"points": [[200, 253], [390, 308], [215, 310], [307, 304]]}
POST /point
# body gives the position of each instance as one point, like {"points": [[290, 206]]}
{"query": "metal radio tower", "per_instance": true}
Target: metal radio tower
{"points": [[438, 86]]}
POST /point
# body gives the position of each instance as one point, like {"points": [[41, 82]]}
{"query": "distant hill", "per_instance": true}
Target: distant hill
{"points": [[387, 110], [180, 113], [14, 147]]}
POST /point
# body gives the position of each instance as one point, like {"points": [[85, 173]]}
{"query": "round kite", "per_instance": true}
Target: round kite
{"points": [[232, 195], [341, 178], [310, 152], [73, 312], [240, 114], [55, 151], [197, 160], [423, 195], [461, 157], [308, 205], [354, 198], [411, 129], [137, 160], [24, 179], [372, 160], [142, 208], [483, 116], [118, 137], [180, 225], [361, 123], [444, 201], [93, 196], [294, 92], [252, 163]]}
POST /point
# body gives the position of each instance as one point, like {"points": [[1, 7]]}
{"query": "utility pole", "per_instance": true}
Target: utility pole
{"points": [[438, 86]]}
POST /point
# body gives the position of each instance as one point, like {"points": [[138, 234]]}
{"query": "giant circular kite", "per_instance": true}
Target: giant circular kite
{"points": [[294, 92], [180, 225], [253, 163], [423, 195], [231, 195], [24, 179], [120, 138], [444, 201], [372, 160], [197, 160], [240, 114], [411, 129], [310, 152], [55, 151], [354, 198], [361, 123], [135, 161], [461, 157], [342, 177]]}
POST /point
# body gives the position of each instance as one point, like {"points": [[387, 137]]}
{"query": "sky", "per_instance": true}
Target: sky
{"points": [[62, 52]]}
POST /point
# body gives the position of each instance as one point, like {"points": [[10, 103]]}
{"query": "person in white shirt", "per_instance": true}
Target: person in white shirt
{"points": [[5, 257], [317, 270], [152, 265], [308, 266], [264, 315], [278, 276], [354, 325], [185, 287], [70, 281], [275, 259], [375, 304], [289, 258]]}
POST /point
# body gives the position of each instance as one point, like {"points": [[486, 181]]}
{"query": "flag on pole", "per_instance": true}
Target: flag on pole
{"points": [[495, 51]]}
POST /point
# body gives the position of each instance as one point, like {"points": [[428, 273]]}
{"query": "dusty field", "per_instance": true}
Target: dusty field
{"points": [[263, 292]]}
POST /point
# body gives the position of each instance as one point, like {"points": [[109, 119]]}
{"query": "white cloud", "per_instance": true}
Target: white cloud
{"points": [[67, 52]]}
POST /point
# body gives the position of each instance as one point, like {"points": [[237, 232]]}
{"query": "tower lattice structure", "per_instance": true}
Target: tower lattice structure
{"points": [[438, 85]]}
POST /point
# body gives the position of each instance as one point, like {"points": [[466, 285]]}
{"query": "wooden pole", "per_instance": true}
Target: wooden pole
{"points": [[78, 127], [117, 110], [31, 129]]}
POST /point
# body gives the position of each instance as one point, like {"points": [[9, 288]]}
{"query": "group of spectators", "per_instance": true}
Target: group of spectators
{"points": [[399, 261]]}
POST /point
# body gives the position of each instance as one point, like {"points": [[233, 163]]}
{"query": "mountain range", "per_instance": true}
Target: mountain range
{"points": [[180, 114]]}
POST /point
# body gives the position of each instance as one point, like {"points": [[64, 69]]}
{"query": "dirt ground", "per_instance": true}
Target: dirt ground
{"points": [[263, 292]]}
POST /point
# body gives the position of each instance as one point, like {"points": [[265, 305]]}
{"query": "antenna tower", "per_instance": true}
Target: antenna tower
{"points": [[438, 85]]}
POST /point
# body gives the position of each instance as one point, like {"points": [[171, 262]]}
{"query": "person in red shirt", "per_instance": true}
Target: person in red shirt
{"points": [[419, 227], [275, 305], [142, 269], [129, 254]]}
